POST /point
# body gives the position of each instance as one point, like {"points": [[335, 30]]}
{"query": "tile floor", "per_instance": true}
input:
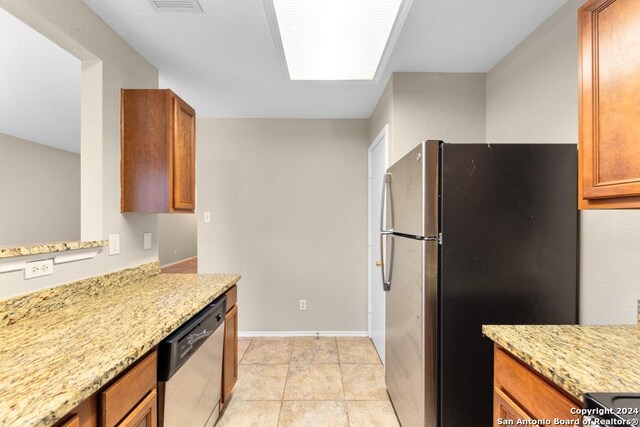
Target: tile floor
{"points": [[309, 382]]}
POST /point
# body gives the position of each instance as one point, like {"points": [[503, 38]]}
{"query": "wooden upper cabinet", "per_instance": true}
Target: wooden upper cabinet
{"points": [[609, 104], [184, 155], [158, 147]]}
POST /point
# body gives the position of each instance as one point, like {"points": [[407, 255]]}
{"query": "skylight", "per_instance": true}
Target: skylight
{"points": [[335, 39]]}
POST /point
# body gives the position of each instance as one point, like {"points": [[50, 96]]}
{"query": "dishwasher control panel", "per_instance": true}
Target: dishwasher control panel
{"points": [[178, 347]]}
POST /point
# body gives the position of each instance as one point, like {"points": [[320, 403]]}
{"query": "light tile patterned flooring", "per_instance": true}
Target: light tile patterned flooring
{"points": [[309, 382]]}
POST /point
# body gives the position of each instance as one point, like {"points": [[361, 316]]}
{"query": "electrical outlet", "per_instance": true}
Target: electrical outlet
{"points": [[147, 241], [114, 244], [207, 216], [303, 304], [38, 268]]}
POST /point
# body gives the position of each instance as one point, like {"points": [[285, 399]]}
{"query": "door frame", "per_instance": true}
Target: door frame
{"points": [[382, 138]]}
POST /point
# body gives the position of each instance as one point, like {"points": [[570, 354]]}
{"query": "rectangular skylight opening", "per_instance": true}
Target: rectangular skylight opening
{"points": [[176, 6], [336, 39]]}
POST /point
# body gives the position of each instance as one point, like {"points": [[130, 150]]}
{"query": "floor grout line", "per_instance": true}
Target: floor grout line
{"points": [[279, 413], [286, 380], [344, 402], [245, 352]]}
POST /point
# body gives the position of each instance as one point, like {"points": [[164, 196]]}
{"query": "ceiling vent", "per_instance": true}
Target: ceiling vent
{"points": [[176, 6]]}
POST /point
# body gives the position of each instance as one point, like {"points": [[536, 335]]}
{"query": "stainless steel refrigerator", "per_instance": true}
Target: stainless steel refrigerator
{"points": [[471, 234]]}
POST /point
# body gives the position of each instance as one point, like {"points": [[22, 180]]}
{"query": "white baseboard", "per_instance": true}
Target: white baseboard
{"points": [[250, 334]]}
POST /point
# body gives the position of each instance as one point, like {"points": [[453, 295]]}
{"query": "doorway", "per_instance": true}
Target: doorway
{"points": [[178, 243], [377, 169]]}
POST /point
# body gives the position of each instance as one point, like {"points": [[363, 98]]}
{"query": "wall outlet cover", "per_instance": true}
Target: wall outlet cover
{"points": [[303, 304], [147, 241], [114, 244], [207, 216], [38, 268]]}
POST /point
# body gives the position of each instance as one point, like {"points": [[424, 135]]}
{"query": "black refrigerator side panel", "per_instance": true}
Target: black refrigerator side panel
{"points": [[509, 256]]}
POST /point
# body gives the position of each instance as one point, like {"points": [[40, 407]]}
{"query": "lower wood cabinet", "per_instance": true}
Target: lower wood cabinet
{"points": [[83, 415], [74, 421], [128, 401], [506, 409], [131, 400], [230, 352], [145, 414], [124, 394], [522, 394]]}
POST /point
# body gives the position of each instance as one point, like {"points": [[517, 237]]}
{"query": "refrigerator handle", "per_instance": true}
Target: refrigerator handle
{"points": [[386, 185], [386, 279]]}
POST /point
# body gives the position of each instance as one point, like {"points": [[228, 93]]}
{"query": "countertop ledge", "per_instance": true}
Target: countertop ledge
{"points": [[578, 359], [53, 361]]}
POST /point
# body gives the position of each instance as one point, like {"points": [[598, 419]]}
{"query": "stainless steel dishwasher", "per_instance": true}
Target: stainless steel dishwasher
{"points": [[190, 370]]}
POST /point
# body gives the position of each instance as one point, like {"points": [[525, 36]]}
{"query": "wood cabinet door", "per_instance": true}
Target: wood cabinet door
{"points": [[144, 414], [533, 393], [126, 391], [506, 409], [83, 415], [609, 106], [230, 357], [74, 421], [184, 156]]}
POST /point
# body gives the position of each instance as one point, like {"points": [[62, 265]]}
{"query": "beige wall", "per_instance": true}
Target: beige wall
{"points": [[40, 193], [422, 106], [532, 93], [445, 106], [532, 96], [108, 65], [177, 237], [289, 206]]}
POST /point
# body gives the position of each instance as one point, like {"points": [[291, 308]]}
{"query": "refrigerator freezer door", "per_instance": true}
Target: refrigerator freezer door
{"points": [[509, 227], [413, 192], [411, 350]]}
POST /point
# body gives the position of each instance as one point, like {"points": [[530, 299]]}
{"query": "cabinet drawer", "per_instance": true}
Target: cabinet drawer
{"points": [[232, 297], [143, 415], [529, 391], [125, 393]]}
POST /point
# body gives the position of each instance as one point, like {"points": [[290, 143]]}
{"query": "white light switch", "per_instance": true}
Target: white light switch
{"points": [[147, 240], [207, 216], [114, 244]]}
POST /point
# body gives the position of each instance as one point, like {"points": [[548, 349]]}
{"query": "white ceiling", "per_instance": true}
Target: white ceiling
{"points": [[224, 63], [39, 87]]}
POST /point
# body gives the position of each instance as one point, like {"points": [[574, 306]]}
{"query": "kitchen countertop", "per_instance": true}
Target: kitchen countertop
{"points": [[578, 359], [44, 248], [51, 361]]}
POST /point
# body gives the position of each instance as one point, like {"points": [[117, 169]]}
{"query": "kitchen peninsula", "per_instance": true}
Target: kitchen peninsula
{"points": [[62, 345]]}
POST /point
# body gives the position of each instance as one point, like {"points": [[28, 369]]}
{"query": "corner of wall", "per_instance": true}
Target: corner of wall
{"points": [[78, 29]]}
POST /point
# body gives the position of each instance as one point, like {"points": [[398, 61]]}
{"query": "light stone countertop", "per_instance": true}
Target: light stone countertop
{"points": [[52, 360], [45, 248], [578, 359]]}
